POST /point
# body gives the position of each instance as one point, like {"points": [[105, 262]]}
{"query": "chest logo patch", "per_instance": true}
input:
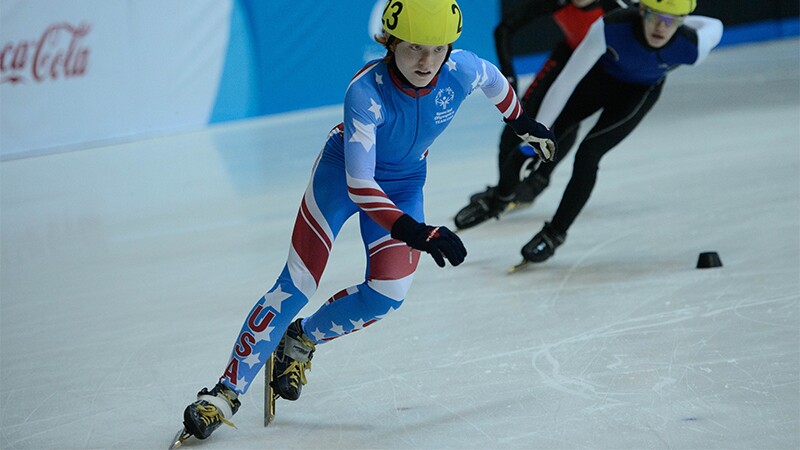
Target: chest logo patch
{"points": [[443, 99]]}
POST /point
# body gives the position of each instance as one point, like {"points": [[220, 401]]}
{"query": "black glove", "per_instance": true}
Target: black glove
{"points": [[440, 242], [536, 135]]}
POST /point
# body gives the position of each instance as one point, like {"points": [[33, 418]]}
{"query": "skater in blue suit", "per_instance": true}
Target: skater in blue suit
{"points": [[373, 165], [619, 69]]}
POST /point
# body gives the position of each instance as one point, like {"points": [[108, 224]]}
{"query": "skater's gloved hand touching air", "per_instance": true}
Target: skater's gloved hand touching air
{"points": [[440, 242], [536, 135]]}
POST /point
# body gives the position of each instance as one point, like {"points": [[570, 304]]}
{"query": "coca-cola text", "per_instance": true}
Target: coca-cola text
{"points": [[58, 53]]}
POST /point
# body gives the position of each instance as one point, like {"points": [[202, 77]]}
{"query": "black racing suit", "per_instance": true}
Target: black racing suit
{"points": [[574, 23], [616, 72]]}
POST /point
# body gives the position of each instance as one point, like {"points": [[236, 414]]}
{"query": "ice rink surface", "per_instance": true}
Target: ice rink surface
{"points": [[127, 272]]}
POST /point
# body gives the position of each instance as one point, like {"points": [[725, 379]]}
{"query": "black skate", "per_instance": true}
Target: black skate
{"points": [[489, 192], [292, 359], [528, 189], [212, 409], [543, 245], [483, 207]]}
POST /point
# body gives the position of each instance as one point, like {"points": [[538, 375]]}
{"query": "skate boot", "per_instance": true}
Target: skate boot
{"points": [[544, 244], [483, 194], [292, 359], [484, 207], [212, 409], [530, 188]]}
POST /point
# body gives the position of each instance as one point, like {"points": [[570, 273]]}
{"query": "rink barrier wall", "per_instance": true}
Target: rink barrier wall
{"points": [[320, 79], [77, 74], [155, 67], [732, 13], [306, 56]]}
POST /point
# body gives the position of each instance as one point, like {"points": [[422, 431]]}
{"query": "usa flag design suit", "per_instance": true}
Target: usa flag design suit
{"points": [[373, 164]]}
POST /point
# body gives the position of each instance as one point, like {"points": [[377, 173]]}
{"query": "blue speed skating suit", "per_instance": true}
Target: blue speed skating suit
{"points": [[374, 165]]}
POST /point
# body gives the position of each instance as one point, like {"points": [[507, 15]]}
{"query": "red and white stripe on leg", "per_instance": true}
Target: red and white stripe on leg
{"points": [[312, 240]]}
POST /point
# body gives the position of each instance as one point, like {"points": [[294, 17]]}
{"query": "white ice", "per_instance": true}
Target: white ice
{"points": [[128, 270]]}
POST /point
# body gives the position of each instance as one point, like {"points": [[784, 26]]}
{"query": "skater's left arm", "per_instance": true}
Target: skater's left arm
{"points": [[500, 92], [361, 121], [709, 33]]}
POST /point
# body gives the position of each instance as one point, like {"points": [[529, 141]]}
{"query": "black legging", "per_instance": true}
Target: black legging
{"points": [[623, 106]]}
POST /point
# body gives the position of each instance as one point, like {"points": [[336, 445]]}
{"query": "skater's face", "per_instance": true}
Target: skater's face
{"points": [[582, 3], [419, 63], [659, 27]]}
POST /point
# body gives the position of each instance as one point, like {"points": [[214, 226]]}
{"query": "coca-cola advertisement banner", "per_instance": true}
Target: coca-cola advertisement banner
{"points": [[73, 73], [57, 53]]}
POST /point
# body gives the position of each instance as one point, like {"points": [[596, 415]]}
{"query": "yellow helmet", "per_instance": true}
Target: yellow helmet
{"points": [[424, 22], [673, 7]]}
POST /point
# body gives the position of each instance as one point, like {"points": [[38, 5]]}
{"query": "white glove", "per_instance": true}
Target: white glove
{"points": [[544, 148], [536, 135]]}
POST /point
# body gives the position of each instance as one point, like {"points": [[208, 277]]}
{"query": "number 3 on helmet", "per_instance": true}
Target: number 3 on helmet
{"points": [[424, 22]]}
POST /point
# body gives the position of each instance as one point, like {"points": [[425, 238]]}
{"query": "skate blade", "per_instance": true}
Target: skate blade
{"points": [[180, 438], [269, 393], [518, 267], [514, 206]]}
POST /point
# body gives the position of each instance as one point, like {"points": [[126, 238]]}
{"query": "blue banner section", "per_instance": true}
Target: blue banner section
{"points": [[238, 92], [289, 55]]}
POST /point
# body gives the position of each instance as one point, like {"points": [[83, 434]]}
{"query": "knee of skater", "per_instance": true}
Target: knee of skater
{"points": [[391, 290], [384, 296]]}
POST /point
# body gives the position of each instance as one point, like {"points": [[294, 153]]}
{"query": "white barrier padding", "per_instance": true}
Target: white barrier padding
{"points": [[89, 71]]}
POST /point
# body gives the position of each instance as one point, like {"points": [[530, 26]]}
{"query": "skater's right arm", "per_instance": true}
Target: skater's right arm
{"points": [[363, 114]]}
